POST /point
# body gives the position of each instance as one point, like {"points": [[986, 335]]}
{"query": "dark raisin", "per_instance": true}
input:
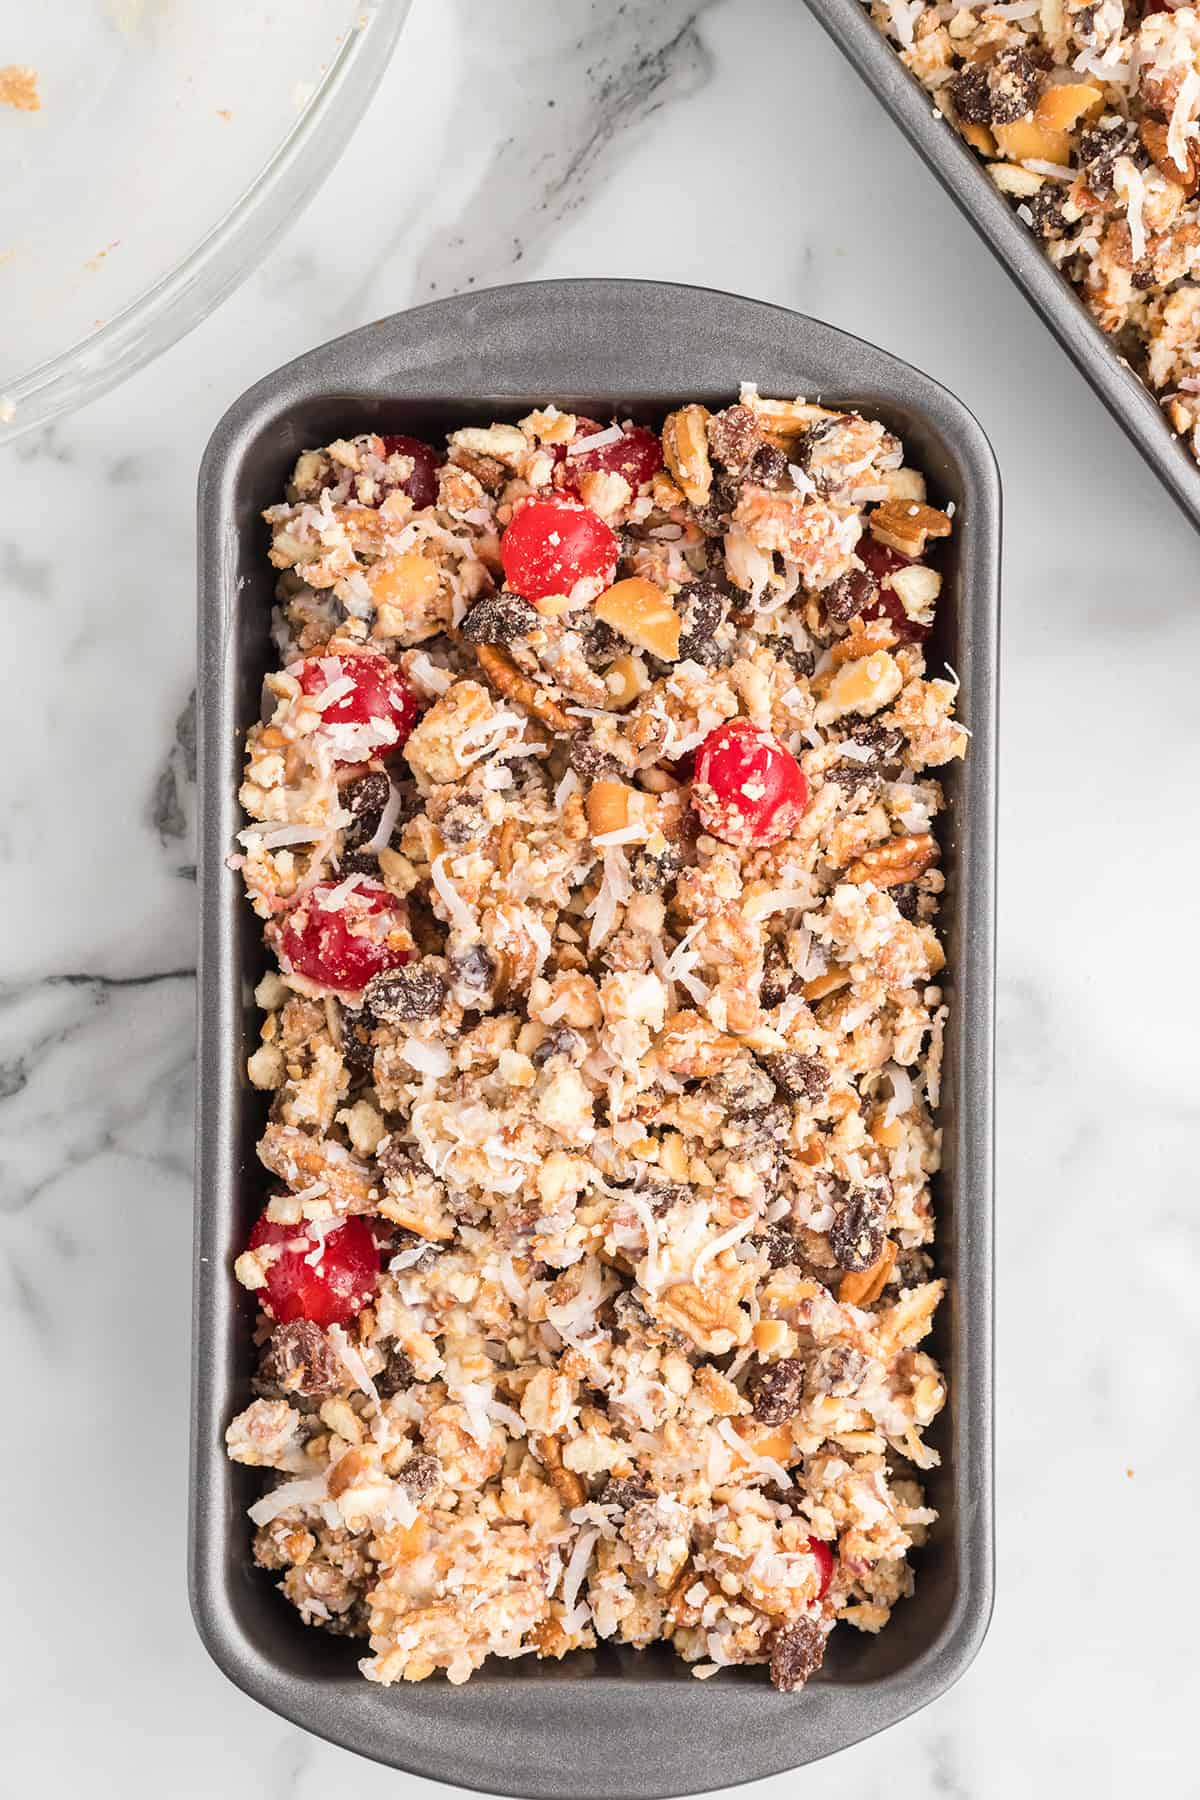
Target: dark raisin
{"points": [[733, 436], [803, 661], [500, 619], [778, 977], [743, 1090], [473, 973], [1049, 219], [396, 1373], [800, 1077], [849, 775], [360, 862], [461, 823], [905, 899], [623, 1493], [913, 1267], [559, 1041], [395, 1157], [846, 597], [723, 497], [398, 996], [599, 642], [588, 760], [409, 1240], [358, 1051], [782, 1246], [856, 1235], [971, 94], [796, 1652], [365, 799], [661, 1196], [837, 1369], [420, 1476], [650, 873], [1099, 148], [884, 742], [776, 1391], [702, 607], [768, 467], [1013, 82], [299, 1359]]}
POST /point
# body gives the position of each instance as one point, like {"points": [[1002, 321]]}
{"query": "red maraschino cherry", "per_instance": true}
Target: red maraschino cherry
{"points": [[326, 1277], [377, 692], [748, 789], [341, 945], [421, 485], [551, 545]]}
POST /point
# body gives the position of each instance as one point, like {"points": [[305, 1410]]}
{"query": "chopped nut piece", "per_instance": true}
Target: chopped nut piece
{"points": [[907, 525], [685, 452], [643, 615]]}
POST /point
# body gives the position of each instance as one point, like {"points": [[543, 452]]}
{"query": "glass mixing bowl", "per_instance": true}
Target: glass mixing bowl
{"points": [[173, 141]]}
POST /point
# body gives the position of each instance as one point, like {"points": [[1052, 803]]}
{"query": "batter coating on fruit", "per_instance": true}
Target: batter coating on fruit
{"points": [[592, 836]]}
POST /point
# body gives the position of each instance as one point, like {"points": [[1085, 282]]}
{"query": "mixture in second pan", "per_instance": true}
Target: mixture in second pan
{"points": [[592, 837], [1088, 118]]}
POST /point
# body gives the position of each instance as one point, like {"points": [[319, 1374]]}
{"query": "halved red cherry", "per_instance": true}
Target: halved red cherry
{"points": [[421, 485], [327, 1277], [636, 454], [553, 545], [885, 603], [376, 696], [748, 789], [822, 1555], [339, 937]]}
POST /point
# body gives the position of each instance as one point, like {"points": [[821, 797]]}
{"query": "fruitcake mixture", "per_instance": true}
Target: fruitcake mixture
{"points": [[1088, 118], [592, 836]]}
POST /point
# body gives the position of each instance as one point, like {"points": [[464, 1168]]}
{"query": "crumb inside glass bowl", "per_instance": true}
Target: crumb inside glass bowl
{"points": [[152, 150]]}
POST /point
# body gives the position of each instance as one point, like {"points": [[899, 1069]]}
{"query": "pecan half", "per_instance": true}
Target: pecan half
{"points": [[893, 863], [508, 680]]}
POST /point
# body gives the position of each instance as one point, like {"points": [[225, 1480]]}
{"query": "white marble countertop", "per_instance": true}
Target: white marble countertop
{"points": [[728, 144]]}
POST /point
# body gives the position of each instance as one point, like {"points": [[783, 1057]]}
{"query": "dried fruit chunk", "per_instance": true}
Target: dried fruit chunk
{"points": [[636, 455], [799, 1077], [402, 995], [907, 525], [777, 1391], [500, 619], [300, 1360], [901, 859], [685, 450], [643, 615], [421, 485], [796, 1653], [856, 1235]]}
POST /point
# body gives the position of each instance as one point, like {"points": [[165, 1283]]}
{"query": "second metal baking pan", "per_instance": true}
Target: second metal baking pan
{"points": [[614, 1722], [967, 182]]}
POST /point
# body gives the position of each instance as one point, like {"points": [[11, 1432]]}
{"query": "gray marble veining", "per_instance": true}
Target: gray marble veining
{"points": [[723, 144]]}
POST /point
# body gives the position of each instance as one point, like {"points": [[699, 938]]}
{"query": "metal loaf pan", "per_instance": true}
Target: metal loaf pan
{"points": [[963, 176], [614, 1722]]}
